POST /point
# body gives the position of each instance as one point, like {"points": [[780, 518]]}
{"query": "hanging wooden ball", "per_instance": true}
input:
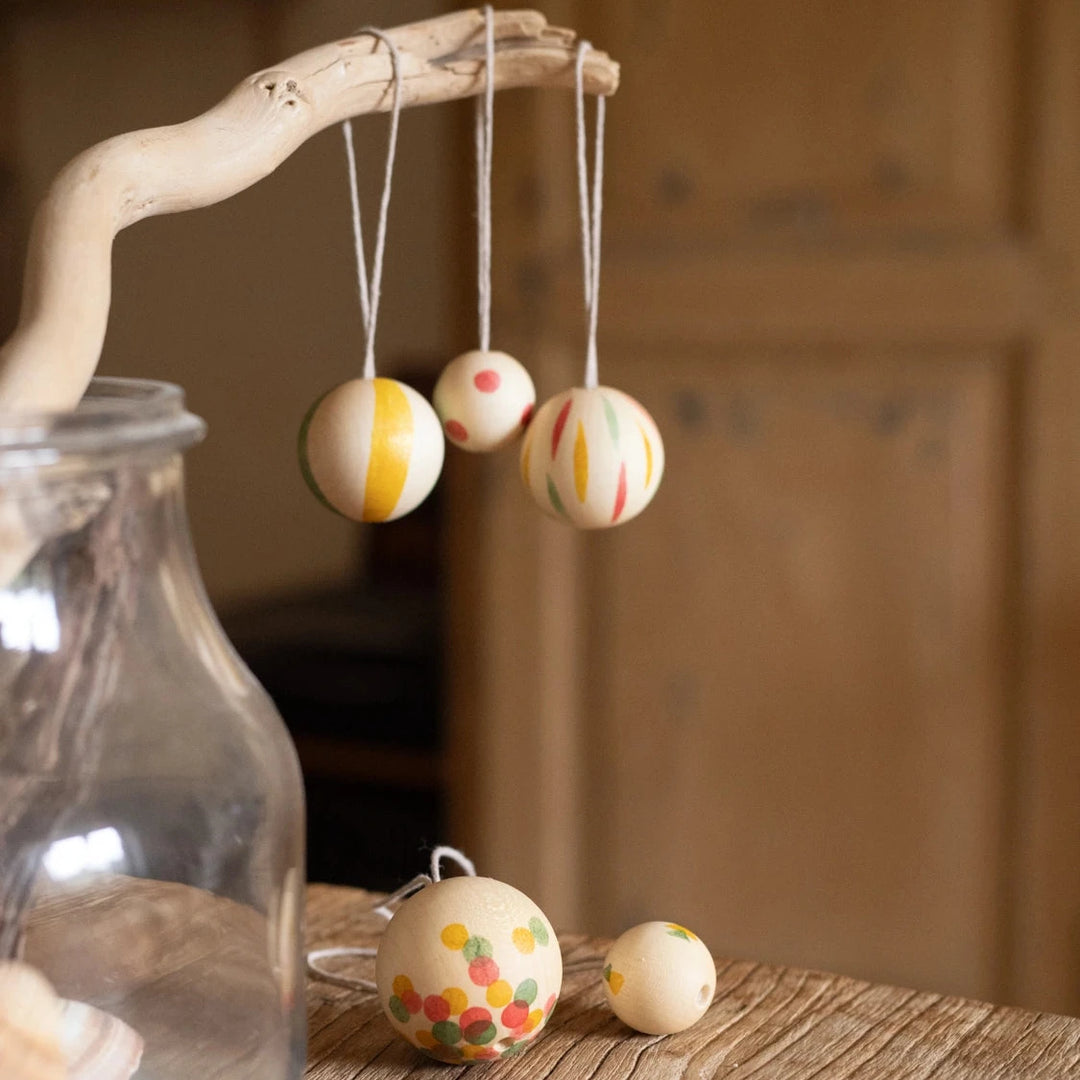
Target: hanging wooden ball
{"points": [[469, 969], [484, 400], [593, 458], [659, 978], [371, 449]]}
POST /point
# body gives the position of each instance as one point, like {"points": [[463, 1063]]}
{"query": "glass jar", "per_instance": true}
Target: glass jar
{"points": [[151, 806]]}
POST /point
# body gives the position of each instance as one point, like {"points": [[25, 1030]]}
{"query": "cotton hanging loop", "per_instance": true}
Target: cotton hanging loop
{"points": [[370, 294], [484, 398], [590, 212], [372, 448], [485, 126], [593, 457]]}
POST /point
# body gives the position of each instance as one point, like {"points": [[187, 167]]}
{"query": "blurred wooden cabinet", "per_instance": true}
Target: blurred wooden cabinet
{"points": [[821, 700]]}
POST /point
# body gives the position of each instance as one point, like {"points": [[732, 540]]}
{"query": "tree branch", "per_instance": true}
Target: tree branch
{"points": [[50, 358]]}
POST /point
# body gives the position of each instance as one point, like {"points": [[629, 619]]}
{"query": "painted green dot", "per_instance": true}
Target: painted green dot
{"points": [[539, 930], [526, 992], [447, 1032], [397, 1007], [515, 1048], [476, 947], [607, 973], [480, 1035], [679, 932]]}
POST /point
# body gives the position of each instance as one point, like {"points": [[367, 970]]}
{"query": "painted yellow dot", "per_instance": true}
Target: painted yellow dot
{"points": [[454, 936], [402, 985], [500, 993], [615, 981], [457, 999], [533, 1019], [523, 940], [471, 1053], [426, 1039]]}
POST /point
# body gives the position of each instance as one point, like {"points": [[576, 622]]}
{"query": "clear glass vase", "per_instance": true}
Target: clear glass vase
{"points": [[151, 806]]}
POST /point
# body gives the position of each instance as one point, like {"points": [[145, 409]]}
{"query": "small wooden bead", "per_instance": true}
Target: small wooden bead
{"points": [[468, 969], [659, 978], [371, 449], [593, 458], [484, 400]]}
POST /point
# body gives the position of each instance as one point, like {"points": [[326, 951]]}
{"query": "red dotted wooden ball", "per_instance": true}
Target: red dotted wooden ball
{"points": [[484, 400]]}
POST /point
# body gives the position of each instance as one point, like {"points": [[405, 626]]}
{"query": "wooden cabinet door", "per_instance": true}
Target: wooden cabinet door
{"points": [[819, 700]]}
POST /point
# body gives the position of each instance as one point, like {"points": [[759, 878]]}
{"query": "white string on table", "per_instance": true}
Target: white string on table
{"points": [[485, 126], [590, 215], [385, 910], [370, 292]]}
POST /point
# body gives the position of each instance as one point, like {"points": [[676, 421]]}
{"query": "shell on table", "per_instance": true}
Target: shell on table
{"points": [[30, 1019], [43, 1037], [96, 1045]]}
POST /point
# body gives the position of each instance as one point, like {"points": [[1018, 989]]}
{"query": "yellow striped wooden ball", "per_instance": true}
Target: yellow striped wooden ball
{"points": [[593, 458], [484, 400], [371, 449]]}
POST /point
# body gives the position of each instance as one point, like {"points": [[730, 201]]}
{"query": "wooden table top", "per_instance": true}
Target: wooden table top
{"points": [[769, 1023]]}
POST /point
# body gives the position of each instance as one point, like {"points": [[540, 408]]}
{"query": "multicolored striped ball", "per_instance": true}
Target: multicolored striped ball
{"points": [[592, 458], [484, 399], [371, 449]]}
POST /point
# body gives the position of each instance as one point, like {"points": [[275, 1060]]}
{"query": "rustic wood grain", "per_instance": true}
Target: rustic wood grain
{"points": [[769, 1023]]}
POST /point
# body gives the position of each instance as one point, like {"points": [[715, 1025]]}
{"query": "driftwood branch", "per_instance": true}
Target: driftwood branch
{"points": [[49, 360]]}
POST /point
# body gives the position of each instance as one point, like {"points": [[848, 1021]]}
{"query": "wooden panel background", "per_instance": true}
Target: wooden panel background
{"points": [[822, 671], [821, 699]]}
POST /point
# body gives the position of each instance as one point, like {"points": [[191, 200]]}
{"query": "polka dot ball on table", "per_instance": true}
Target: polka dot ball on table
{"points": [[371, 449], [659, 978], [484, 400], [593, 458], [468, 969]]}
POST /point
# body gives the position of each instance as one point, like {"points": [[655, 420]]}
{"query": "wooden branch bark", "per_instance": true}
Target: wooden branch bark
{"points": [[49, 360]]}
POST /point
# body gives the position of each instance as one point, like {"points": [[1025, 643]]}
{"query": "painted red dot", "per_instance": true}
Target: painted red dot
{"points": [[436, 1008], [487, 381], [475, 1015], [526, 415], [412, 1001], [515, 1014], [483, 971], [550, 1004], [456, 430], [487, 1054]]}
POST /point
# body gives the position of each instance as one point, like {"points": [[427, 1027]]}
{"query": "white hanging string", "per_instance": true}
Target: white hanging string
{"points": [[369, 293], [485, 125], [385, 910], [444, 851], [590, 216]]}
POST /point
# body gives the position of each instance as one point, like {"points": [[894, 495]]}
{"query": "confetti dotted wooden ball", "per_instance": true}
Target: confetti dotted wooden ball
{"points": [[469, 969], [484, 400], [371, 449], [593, 458], [659, 978]]}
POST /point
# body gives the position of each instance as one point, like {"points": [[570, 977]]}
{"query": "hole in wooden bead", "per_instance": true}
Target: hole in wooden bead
{"points": [[704, 994]]}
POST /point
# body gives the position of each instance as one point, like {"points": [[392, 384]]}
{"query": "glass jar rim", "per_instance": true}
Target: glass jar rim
{"points": [[116, 415]]}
